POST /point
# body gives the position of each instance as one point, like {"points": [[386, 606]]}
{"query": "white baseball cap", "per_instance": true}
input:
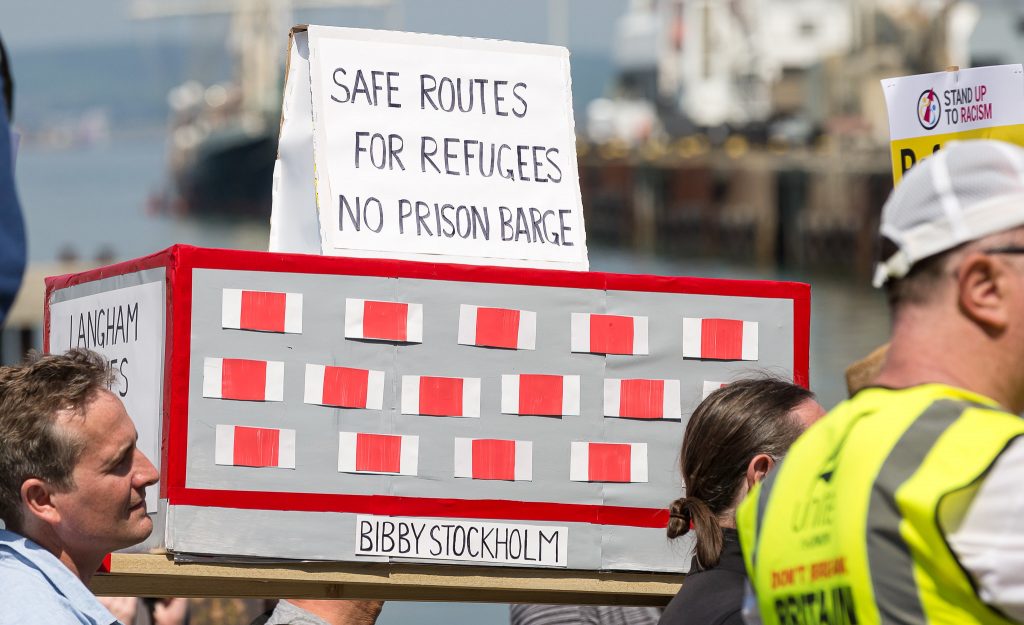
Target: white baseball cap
{"points": [[966, 191]]}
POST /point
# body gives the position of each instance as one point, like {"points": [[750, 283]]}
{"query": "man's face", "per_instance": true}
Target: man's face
{"points": [[105, 510]]}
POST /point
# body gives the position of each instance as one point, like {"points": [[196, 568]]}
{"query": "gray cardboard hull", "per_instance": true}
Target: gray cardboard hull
{"points": [[309, 511]]}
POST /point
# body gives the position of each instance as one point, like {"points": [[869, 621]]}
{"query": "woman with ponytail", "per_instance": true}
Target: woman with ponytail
{"points": [[734, 437]]}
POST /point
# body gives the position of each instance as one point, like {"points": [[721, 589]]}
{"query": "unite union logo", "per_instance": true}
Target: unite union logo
{"points": [[928, 109]]}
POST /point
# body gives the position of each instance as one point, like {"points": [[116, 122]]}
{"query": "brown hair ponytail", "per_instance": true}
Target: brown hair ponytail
{"points": [[688, 513], [730, 427]]}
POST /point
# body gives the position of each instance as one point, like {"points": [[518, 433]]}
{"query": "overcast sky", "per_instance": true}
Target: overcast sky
{"points": [[33, 24]]}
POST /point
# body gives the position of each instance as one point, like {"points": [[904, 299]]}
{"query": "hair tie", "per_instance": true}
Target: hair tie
{"points": [[684, 516]]}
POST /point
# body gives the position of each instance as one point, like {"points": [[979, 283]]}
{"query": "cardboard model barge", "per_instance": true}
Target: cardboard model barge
{"points": [[372, 410]]}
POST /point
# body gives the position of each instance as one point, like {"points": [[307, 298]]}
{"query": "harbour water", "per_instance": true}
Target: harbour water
{"points": [[92, 200]]}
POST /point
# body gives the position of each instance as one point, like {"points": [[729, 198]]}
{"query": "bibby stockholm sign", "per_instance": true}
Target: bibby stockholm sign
{"points": [[503, 543]]}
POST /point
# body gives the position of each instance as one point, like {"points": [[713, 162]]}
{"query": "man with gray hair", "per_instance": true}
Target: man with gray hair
{"points": [[904, 504], [72, 486]]}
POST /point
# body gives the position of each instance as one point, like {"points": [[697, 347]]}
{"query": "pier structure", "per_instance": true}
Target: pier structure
{"points": [[803, 208]]}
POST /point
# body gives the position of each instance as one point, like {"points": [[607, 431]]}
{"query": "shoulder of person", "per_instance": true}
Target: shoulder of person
{"points": [[710, 597], [733, 618], [991, 412], [26, 595], [540, 614], [625, 615], [262, 618], [544, 614], [21, 576], [287, 614], [701, 609]]}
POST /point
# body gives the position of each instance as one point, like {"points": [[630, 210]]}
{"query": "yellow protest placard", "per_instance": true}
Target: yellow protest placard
{"points": [[929, 110]]}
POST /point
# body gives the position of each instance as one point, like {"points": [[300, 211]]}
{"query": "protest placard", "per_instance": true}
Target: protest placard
{"points": [[367, 410], [928, 110], [413, 146]]}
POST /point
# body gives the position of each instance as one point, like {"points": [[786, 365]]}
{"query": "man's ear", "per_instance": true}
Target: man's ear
{"points": [[758, 467], [37, 497], [983, 285]]}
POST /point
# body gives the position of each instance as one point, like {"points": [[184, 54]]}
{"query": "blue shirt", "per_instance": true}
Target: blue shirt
{"points": [[12, 227], [36, 587]]}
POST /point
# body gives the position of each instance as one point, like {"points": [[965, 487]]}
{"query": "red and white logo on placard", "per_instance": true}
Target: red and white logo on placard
{"points": [[242, 446], [262, 311], [440, 397], [642, 399], [383, 321], [238, 378], [719, 339], [494, 459], [344, 387], [929, 109], [710, 387], [608, 462], [506, 328], [388, 454], [541, 395], [609, 334]]}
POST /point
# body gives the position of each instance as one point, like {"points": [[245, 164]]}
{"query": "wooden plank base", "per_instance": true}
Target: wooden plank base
{"points": [[156, 575]]}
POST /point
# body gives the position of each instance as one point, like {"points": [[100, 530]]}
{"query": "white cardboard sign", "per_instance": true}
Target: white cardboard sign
{"points": [[127, 326], [451, 148], [927, 111], [954, 101]]}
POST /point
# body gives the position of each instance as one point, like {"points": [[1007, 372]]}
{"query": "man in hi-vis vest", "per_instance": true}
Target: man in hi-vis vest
{"points": [[905, 504]]}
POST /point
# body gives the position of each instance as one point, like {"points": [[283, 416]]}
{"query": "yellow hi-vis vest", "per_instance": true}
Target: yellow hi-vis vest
{"points": [[848, 530]]}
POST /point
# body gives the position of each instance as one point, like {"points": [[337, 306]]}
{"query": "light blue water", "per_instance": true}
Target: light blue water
{"points": [[94, 198]]}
